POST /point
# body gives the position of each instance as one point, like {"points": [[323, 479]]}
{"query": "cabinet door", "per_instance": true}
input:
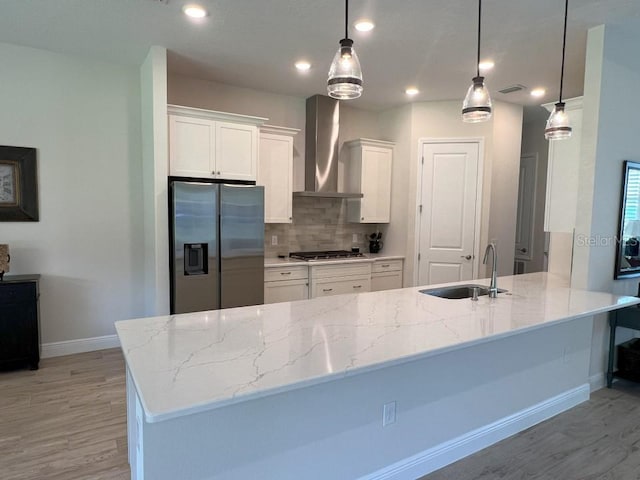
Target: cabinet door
{"points": [[327, 287], [286, 291], [386, 281], [275, 173], [236, 151], [376, 185], [191, 147]]}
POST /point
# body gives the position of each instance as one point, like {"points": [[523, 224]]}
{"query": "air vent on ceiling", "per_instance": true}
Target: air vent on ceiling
{"points": [[513, 88], [163, 2]]}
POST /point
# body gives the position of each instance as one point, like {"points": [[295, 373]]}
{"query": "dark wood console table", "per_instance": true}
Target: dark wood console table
{"points": [[19, 321], [625, 317]]}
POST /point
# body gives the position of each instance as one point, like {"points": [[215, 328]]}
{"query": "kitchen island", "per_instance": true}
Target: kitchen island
{"points": [[298, 389]]}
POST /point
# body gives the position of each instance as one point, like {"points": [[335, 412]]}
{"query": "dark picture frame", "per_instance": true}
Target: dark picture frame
{"points": [[628, 240], [18, 184]]}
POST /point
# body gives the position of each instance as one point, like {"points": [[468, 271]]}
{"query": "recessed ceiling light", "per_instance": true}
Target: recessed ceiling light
{"points": [[538, 92], [412, 91], [486, 65], [364, 25], [194, 11], [303, 66]]}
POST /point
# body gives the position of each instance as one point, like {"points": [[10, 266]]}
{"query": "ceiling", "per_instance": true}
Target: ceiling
{"points": [[254, 43]]}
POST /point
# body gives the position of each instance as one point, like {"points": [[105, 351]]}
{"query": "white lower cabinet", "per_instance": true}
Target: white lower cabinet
{"points": [[327, 280], [299, 282], [386, 275], [286, 284]]}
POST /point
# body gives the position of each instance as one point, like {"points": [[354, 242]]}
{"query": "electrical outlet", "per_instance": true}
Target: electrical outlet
{"points": [[354, 238], [388, 413], [274, 239]]}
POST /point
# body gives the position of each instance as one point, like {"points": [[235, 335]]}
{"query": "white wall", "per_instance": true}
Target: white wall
{"points": [[155, 159], [502, 137], [611, 103], [505, 172], [83, 117], [533, 142]]}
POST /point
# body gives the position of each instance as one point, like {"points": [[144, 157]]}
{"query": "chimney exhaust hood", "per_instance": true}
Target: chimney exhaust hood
{"points": [[321, 149]]}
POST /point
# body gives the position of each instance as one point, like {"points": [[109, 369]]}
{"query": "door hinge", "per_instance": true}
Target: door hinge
{"points": [[420, 206], [418, 257], [423, 160]]}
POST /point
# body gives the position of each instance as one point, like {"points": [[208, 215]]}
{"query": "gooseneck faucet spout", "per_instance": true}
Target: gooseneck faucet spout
{"points": [[493, 289]]}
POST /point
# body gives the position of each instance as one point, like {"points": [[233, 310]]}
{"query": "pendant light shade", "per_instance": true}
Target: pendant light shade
{"points": [[559, 125], [345, 74], [477, 104]]}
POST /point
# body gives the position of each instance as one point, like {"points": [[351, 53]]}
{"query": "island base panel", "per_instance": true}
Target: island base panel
{"points": [[334, 429]]}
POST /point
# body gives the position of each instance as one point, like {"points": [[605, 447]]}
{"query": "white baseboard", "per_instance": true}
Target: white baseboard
{"points": [[448, 452], [597, 381], [69, 347]]}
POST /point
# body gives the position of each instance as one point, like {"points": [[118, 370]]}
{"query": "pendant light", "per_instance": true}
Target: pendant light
{"points": [[558, 124], [477, 104], [345, 74]]}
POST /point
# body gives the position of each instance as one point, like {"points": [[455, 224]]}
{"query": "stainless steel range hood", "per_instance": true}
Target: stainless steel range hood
{"points": [[321, 149]]}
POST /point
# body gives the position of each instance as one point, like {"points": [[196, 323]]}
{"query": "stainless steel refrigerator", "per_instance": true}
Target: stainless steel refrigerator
{"points": [[217, 245]]}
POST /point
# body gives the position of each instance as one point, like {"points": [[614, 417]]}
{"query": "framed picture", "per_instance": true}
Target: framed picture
{"points": [[18, 184]]}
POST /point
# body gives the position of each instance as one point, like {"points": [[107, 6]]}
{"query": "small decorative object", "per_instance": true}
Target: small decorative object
{"points": [[18, 184], [4, 260], [375, 242]]}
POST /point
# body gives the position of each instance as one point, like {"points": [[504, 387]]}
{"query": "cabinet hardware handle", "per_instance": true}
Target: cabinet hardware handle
{"points": [[218, 173], [467, 257], [285, 273], [362, 218], [290, 218], [386, 265], [357, 286], [327, 289], [213, 172]]}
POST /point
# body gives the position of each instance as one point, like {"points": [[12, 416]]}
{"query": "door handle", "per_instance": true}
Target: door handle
{"points": [[522, 250], [466, 257]]}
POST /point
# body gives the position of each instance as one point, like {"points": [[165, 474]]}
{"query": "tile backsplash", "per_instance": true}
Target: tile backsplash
{"points": [[318, 224]]}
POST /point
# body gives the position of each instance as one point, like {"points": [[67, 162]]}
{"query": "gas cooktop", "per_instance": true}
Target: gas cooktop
{"points": [[325, 255]]}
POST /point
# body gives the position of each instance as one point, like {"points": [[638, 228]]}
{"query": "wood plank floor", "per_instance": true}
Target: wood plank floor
{"points": [[67, 421], [599, 439]]}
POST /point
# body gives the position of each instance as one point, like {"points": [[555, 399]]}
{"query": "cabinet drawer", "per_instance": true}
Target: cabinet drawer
{"points": [[386, 281], [341, 270], [286, 291], [380, 266], [273, 274], [18, 292], [338, 286]]}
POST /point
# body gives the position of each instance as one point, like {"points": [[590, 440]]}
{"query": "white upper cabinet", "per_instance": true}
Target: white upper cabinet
{"points": [[208, 144], [368, 171], [275, 172], [562, 173]]}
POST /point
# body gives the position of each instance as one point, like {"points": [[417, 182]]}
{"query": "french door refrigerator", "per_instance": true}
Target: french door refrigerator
{"points": [[217, 245]]}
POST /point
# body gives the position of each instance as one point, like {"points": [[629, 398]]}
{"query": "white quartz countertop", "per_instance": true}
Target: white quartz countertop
{"points": [[368, 257], [189, 363]]}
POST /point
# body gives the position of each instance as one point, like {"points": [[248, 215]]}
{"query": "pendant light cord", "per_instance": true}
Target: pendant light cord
{"points": [[479, 30], [346, 19], [564, 45]]}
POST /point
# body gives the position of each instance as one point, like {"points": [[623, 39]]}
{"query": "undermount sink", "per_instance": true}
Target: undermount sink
{"points": [[457, 292]]}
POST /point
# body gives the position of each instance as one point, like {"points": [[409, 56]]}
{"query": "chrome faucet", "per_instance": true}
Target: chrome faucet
{"points": [[493, 289]]}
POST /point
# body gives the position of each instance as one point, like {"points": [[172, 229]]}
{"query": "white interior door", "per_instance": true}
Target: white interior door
{"points": [[449, 210], [526, 206]]}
